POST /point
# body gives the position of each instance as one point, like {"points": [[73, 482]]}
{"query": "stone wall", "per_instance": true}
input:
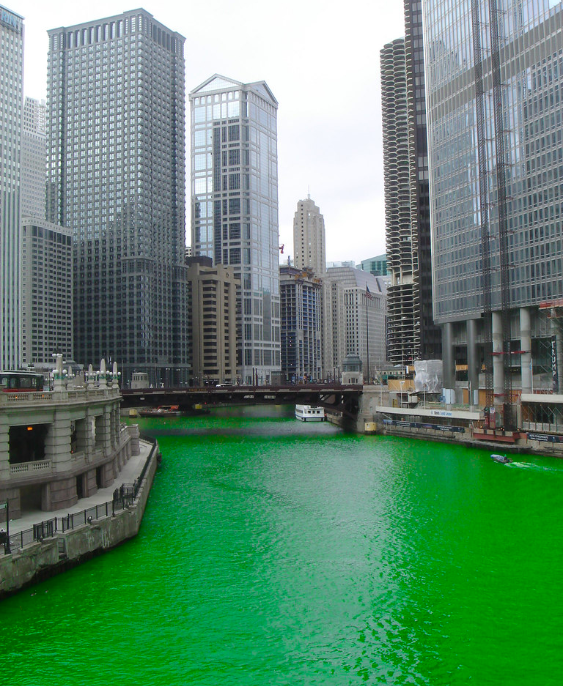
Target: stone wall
{"points": [[39, 561]]}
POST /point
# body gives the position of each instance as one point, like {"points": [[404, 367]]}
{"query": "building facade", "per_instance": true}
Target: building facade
{"points": [[33, 156], [11, 77], [365, 309], [495, 127], [46, 283], [300, 293], [213, 322], [334, 329], [116, 177], [412, 332], [309, 242], [57, 447], [235, 207]]}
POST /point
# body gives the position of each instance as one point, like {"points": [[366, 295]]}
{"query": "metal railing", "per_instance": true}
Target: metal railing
{"points": [[123, 498]]}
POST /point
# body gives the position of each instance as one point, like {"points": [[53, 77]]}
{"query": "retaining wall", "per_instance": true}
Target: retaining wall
{"points": [[41, 560]]}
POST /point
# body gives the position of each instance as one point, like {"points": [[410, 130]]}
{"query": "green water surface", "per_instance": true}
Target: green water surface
{"points": [[279, 553]]}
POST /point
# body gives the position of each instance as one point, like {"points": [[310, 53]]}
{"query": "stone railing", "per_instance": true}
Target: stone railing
{"points": [[63, 396], [31, 467]]}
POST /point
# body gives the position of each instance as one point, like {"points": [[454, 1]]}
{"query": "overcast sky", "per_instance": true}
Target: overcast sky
{"points": [[321, 61]]}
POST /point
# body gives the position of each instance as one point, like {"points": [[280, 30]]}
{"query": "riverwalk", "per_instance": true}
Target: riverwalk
{"points": [[130, 472], [43, 544]]}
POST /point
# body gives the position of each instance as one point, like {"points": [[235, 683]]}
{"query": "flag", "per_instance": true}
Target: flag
{"points": [[368, 293]]}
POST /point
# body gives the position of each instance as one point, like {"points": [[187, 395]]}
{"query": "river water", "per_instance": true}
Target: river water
{"points": [[279, 553]]}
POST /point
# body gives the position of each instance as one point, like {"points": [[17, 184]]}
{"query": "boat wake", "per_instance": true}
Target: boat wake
{"points": [[534, 467]]}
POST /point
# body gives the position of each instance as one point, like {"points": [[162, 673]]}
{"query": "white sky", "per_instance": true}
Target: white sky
{"points": [[321, 60]]}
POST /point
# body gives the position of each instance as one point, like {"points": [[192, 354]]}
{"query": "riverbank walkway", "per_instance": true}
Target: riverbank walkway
{"points": [[130, 472]]}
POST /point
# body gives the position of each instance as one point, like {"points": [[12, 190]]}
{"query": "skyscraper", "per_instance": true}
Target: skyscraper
{"points": [[11, 75], [309, 241], [412, 332], [495, 128], [300, 292], [33, 159], [235, 206], [116, 175], [46, 276]]}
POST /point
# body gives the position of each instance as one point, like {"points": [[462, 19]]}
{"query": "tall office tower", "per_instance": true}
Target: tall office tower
{"points": [[11, 74], [33, 159], [430, 335], [235, 206], [365, 309], [46, 274], [300, 294], [309, 241], [412, 333], [213, 321], [116, 177], [334, 329], [495, 135]]}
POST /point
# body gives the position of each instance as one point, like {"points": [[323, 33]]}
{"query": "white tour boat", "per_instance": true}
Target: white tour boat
{"points": [[308, 413]]}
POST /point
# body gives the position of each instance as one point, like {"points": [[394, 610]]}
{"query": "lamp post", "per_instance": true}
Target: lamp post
{"points": [[6, 506]]}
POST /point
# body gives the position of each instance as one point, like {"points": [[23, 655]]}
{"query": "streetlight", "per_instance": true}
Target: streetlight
{"points": [[6, 506]]}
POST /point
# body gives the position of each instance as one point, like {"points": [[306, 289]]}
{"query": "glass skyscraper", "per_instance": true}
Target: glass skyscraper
{"points": [[116, 177], [11, 74], [235, 207], [494, 83]]}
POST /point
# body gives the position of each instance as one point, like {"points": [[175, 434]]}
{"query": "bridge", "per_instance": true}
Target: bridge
{"points": [[335, 397]]}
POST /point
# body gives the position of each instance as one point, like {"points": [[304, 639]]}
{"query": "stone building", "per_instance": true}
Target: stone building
{"points": [[60, 445], [213, 321], [309, 241]]}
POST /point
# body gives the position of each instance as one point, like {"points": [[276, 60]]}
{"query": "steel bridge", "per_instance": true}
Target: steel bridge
{"points": [[335, 397]]}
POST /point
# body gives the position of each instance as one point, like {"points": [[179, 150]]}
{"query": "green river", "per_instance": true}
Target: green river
{"points": [[279, 553]]}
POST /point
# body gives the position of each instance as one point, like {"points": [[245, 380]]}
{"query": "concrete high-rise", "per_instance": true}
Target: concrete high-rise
{"points": [[309, 241], [495, 134], [300, 292], [213, 321], [364, 316], [46, 277], [412, 332], [33, 159], [235, 206], [116, 177], [11, 77]]}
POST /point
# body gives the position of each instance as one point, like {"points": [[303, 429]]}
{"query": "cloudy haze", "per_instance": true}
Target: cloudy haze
{"points": [[321, 60]]}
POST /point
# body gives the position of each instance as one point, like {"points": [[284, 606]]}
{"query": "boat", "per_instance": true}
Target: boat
{"points": [[500, 458], [161, 411], [308, 413]]}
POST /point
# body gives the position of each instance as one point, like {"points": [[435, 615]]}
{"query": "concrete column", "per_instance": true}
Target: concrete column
{"points": [[4, 449], [473, 363], [57, 442], [498, 363], [526, 345], [448, 370], [104, 425], [557, 358], [84, 435]]}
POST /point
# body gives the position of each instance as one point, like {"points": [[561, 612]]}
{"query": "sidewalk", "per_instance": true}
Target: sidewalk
{"points": [[127, 475]]}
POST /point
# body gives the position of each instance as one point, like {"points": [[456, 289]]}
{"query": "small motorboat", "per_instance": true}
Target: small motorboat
{"points": [[500, 458]]}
